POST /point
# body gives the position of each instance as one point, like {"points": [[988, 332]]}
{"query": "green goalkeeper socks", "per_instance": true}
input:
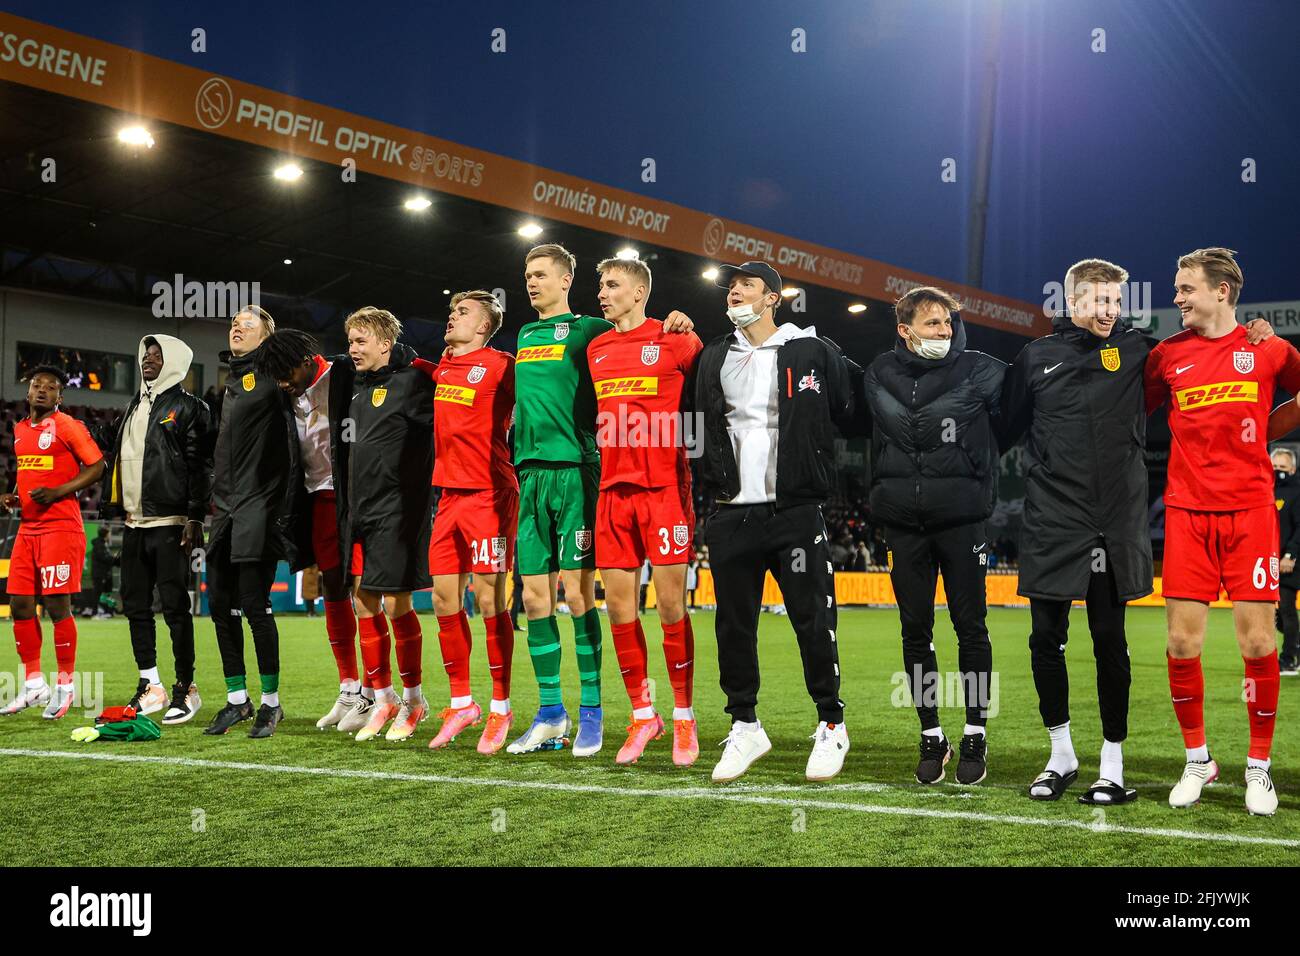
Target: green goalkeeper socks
{"points": [[544, 649], [587, 638]]}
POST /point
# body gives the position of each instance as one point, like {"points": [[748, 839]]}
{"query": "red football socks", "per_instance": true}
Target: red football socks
{"points": [[410, 643], [454, 639], [1262, 679], [1187, 688], [679, 653], [629, 645], [500, 651], [341, 626], [375, 649]]}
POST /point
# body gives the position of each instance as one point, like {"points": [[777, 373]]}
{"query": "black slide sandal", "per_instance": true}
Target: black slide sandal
{"points": [[1114, 791], [1054, 780]]}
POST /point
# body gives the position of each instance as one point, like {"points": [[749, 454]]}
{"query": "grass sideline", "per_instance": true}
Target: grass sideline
{"points": [[312, 797]]}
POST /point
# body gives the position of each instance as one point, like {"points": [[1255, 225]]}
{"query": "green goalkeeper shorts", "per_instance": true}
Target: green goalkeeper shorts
{"points": [[557, 515]]}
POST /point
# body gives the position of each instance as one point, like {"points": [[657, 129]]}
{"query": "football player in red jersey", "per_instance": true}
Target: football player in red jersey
{"points": [[56, 459], [1220, 519], [474, 529], [640, 374]]}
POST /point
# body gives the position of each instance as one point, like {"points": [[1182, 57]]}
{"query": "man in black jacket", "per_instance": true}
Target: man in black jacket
{"points": [[934, 464], [1287, 496], [389, 494], [160, 482], [1078, 392], [770, 398], [255, 479]]}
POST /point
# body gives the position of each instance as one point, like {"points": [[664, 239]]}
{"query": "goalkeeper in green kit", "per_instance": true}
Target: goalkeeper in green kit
{"points": [[559, 473]]}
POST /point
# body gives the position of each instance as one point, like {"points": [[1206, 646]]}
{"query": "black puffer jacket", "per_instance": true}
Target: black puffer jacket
{"points": [[1080, 398], [934, 453], [1286, 495], [256, 470]]}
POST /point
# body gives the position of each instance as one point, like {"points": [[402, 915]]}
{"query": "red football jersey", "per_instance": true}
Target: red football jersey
{"points": [[472, 409], [50, 454], [1220, 394], [639, 377]]}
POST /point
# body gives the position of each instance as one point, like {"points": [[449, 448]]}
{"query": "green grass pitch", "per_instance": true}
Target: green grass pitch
{"points": [[312, 797]]}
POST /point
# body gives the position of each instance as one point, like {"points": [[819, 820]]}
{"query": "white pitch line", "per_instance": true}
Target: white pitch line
{"points": [[722, 794]]}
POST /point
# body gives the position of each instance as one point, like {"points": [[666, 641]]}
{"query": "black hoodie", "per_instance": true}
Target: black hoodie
{"points": [[934, 453], [1080, 399], [390, 472], [255, 467]]}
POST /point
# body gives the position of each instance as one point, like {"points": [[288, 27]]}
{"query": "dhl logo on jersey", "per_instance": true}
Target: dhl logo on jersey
{"points": [[610, 387], [1202, 395], [454, 393], [540, 353], [35, 462]]}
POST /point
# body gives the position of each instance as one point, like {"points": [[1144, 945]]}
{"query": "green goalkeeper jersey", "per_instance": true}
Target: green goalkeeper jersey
{"points": [[555, 404]]}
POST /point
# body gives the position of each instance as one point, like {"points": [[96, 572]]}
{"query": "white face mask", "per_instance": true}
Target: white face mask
{"points": [[743, 315], [931, 348]]}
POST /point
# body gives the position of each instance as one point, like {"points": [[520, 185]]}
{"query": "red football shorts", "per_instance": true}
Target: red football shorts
{"points": [[358, 559], [47, 563], [1237, 549], [325, 530], [474, 531], [635, 523]]}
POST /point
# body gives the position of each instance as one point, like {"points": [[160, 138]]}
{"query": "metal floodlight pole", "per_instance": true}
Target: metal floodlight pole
{"points": [[984, 150]]}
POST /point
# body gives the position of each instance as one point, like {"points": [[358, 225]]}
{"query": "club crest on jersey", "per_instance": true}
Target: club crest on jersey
{"points": [[476, 374], [46, 439], [498, 547], [810, 381], [1243, 362], [1110, 359], [582, 539], [377, 396], [680, 535], [249, 381], [63, 571], [561, 330], [649, 354]]}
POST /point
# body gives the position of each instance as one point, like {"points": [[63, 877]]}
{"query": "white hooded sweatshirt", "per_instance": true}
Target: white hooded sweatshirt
{"points": [[130, 463]]}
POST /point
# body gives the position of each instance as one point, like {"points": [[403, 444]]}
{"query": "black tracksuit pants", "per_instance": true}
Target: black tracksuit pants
{"points": [[1290, 621], [242, 590], [745, 542], [1050, 621], [961, 556], [153, 557]]}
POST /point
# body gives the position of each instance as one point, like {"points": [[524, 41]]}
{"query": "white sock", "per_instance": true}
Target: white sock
{"points": [[972, 730], [385, 694], [237, 697], [744, 727], [500, 706], [35, 683], [349, 686], [1063, 759], [1112, 762], [411, 693], [642, 713], [151, 675], [1256, 762], [934, 732], [271, 700], [368, 693], [458, 702], [683, 713], [1199, 754]]}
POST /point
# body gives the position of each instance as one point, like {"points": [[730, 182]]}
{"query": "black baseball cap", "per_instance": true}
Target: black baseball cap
{"points": [[759, 270]]}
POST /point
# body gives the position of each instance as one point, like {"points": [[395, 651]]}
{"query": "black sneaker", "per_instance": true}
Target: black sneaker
{"points": [[973, 766], [935, 752], [228, 716], [1288, 666], [141, 689], [268, 718]]}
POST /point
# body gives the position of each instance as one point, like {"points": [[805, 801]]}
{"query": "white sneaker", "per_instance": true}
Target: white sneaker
{"points": [[830, 747], [63, 694], [346, 701], [1261, 798], [183, 710], [540, 733], [1187, 791], [744, 745], [27, 697], [152, 700], [358, 714]]}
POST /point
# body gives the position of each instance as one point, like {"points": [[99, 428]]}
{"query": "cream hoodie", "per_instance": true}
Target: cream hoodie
{"points": [[130, 463]]}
